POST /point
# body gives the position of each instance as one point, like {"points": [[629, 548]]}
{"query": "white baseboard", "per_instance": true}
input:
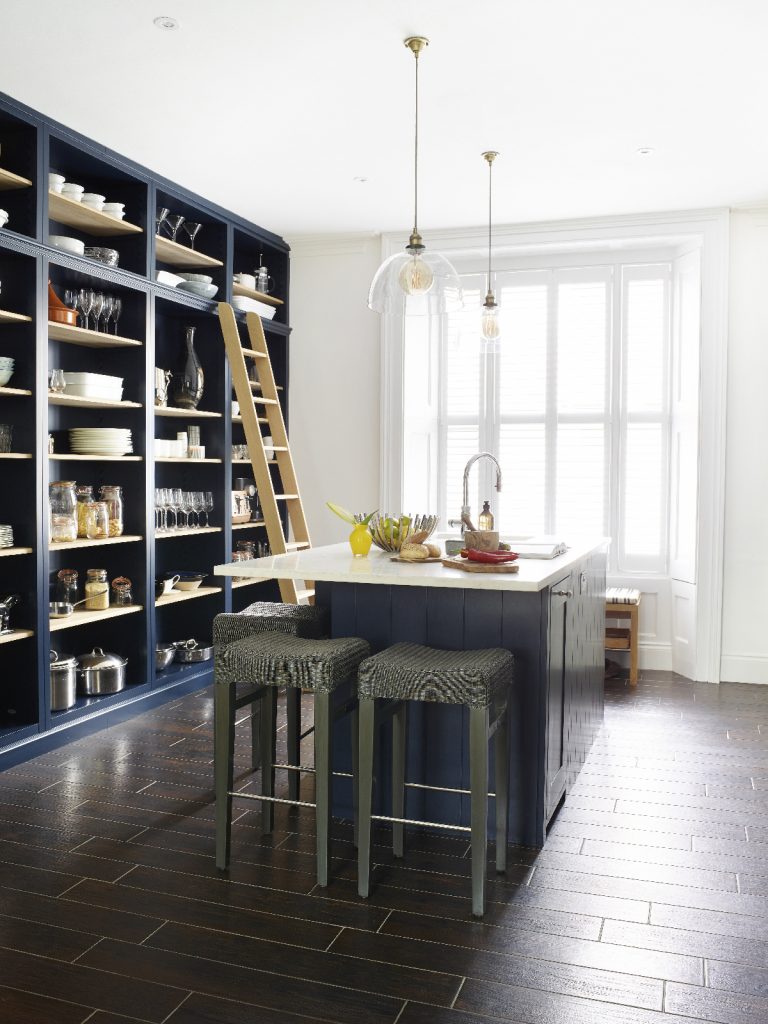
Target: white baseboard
{"points": [[654, 657], [744, 668]]}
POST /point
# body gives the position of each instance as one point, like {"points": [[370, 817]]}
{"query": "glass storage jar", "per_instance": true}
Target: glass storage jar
{"points": [[113, 496], [96, 590], [96, 520], [63, 515], [67, 581], [121, 591], [84, 494]]}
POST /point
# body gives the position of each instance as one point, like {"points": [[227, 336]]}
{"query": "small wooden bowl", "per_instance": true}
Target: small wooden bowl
{"points": [[482, 540]]}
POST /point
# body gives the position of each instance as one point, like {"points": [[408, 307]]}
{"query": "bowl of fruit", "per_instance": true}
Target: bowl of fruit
{"points": [[392, 533]]}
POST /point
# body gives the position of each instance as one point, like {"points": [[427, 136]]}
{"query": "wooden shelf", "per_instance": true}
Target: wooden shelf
{"points": [[236, 584], [93, 222], [185, 595], [250, 293], [10, 181], [248, 526], [16, 634], [193, 462], [83, 617], [89, 339], [15, 392], [176, 255], [192, 531], [14, 455], [83, 542], [6, 317], [185, 414], [10, 552], [71, 457], [90, 403]]}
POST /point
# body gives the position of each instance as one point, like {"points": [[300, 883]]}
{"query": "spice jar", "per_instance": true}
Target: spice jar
{"points": [[66, 585], [96, 590], [113, 496], [121, 591], [63, 515], [96, 520], [84, 494]]}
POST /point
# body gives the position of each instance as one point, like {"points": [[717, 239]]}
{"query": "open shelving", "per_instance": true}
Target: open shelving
{"points": [[251, 293], [75, 215], [87, 338], [192, 531], [7, 317], [15, 634], [186, 414], [74, 402], [71, 457], [100, 542], [177, 255], [12, 552], [81, 617], [9, 181], [185, 595]]}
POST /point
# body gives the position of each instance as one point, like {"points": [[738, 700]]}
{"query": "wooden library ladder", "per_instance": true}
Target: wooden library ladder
{"points": [[251, 405]]}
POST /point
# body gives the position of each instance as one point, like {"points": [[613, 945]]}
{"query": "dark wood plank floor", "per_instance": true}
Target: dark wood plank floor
{"points": [[649, 904]]}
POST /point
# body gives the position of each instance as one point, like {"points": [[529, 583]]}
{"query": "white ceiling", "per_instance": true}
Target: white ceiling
{"points": [[273, 107]]}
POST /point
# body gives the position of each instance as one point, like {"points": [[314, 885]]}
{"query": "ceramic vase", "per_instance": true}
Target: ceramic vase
{"points": [[360, 540], [187, 386]]}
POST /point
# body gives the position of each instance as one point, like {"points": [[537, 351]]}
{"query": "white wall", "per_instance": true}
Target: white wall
{"points": [[745, 591], [334, 379]]}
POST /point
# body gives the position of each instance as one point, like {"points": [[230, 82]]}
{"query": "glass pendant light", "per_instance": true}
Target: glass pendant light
{"points": [[489, 319], [416, 281]]}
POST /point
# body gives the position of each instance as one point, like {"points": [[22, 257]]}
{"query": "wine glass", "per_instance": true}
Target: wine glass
{"points": [[168, 504], [84, 304], [174, 222], [199, 497], [160, 217], [117, 309], [70, 298], [191, 229], [56, 382], [208, 505], [158, 508], [106, 312], [177, 499], [96, 308]]}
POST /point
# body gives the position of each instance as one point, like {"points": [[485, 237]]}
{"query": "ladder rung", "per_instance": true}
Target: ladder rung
{"points": [[296, 546], [264, 401], [304, 595], [250, 354], [274, 448], [286, 497], [255, 384]]}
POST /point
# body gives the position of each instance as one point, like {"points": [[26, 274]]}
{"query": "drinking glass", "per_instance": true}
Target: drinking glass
{"points": [[207, 505], [177, 500], [160, 217], [6, 437], [70, 298], [96, 308], [117, 309], [190, 509], [158, 508], [191, 229], [56, 382], [174, 222], [84, 304], [199, 499], [168, 506], [106, 312]]}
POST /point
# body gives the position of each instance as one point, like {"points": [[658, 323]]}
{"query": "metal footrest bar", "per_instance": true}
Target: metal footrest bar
{"points": [[441, 789], [309, 732], [273, 799], [422, 824], [310, 770]]}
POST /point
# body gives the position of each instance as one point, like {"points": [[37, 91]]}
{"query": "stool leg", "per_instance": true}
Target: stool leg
{"points": [[323, 778], [367, 712], [256, 735], [355, 727], [634, 623], [478, 787], [293, 737], [223, 768], [399, 733], [268, 730], [502, 789]]}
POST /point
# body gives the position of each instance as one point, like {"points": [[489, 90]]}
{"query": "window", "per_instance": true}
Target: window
{"points": [[575, 405]]}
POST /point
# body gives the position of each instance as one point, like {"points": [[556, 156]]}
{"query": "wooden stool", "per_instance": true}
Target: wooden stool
{"points": [[624, 603]]}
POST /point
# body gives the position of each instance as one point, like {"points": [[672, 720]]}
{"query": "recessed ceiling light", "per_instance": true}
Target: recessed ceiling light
{"points": [[360, 180], [165, 22], [646, 151]]}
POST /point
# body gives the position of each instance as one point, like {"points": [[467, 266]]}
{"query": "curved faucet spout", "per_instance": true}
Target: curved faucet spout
{"points": [[465, 508]]}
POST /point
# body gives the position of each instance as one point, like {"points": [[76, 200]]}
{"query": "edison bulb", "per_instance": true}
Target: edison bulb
{"points": [[416, 277], [489, 323]]}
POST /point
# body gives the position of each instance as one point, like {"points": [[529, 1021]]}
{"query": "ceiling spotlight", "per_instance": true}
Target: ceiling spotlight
{"points": [[646, 151], [360, 179], [165, 22]]}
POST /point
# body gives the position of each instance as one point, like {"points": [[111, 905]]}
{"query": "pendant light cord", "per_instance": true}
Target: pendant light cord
{"points": [[490, 217], [416, 154]]}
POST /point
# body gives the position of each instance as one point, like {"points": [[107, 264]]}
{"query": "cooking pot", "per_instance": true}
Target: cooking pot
{"points": [[164, 656], [191, 651], [63, 682], [99, 673]]}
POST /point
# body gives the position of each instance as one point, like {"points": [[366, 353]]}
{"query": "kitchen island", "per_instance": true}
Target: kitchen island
{"points": [[550, 615]]}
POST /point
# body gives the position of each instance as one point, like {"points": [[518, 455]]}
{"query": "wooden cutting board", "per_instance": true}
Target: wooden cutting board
{"points": [[466, 566]]}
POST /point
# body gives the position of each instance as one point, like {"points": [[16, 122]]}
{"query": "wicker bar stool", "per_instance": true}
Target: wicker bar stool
{"points": [[477, 679], [262, 617], [270, 660]]}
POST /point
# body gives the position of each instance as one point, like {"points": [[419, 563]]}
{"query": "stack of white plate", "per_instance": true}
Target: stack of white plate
{"points": [[242, 302], [94, 385], [100, 441], [6, 536]]}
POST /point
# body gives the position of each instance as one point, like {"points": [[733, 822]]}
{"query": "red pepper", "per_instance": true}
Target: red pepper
{"points": [[491, 557]]}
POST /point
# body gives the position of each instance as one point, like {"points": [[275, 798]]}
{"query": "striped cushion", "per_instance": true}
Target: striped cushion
{"points": [[278, 659], [270, 616], [413, 672], [622, 595]]}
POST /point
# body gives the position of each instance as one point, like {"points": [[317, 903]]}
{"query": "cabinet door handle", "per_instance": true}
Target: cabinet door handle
{"points": [[562, 593]]}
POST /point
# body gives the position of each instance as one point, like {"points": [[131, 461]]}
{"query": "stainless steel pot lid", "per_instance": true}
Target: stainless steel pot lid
{"points": [[97, 659], [65, 662]]}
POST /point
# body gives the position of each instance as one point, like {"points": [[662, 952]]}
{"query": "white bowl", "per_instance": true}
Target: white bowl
{"points": [[116, 210], [72, 191], [93, 197], [200, 278], [204, 291], [246, 305], [166, 277], [55, 181], [114, 206], [5, 376], [102, 380], [92, 391], [68, 244], [3, 218]]}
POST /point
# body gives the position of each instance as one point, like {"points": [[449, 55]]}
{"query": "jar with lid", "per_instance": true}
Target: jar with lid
{"points": [[84, 494], [113, 496], [67, 581], [121, 591], [96, 590], [96, 520], [247, 547], [63, 515]]}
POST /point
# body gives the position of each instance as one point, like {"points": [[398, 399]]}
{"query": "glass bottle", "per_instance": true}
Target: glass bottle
{"points": [[187, 385], [121, 591], [84, 495], [67, 581], [96, 590], [112, 495], [485, 519], [96, 520], [62, 504]]}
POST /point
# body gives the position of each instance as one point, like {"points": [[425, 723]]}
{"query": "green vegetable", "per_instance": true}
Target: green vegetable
{"points": [[348, 517]]}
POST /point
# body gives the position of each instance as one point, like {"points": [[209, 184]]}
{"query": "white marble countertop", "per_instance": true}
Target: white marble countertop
{"points": [[335, 563]]}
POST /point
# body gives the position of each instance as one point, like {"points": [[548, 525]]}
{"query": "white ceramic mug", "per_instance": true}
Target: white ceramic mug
{"points": [[268, 444], [169, 584], [246, 280], [235, 408]]}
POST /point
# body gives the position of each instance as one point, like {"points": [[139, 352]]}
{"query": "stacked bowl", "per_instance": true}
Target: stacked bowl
{"points": [[100, 441], [6, 370]]}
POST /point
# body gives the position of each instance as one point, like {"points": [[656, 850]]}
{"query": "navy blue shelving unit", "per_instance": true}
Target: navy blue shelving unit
{"points": [[154, 318]]}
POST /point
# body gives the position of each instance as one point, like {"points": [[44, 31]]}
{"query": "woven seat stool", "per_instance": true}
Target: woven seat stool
{"points": [[270, 660], [262, 617], [479, 680]]}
